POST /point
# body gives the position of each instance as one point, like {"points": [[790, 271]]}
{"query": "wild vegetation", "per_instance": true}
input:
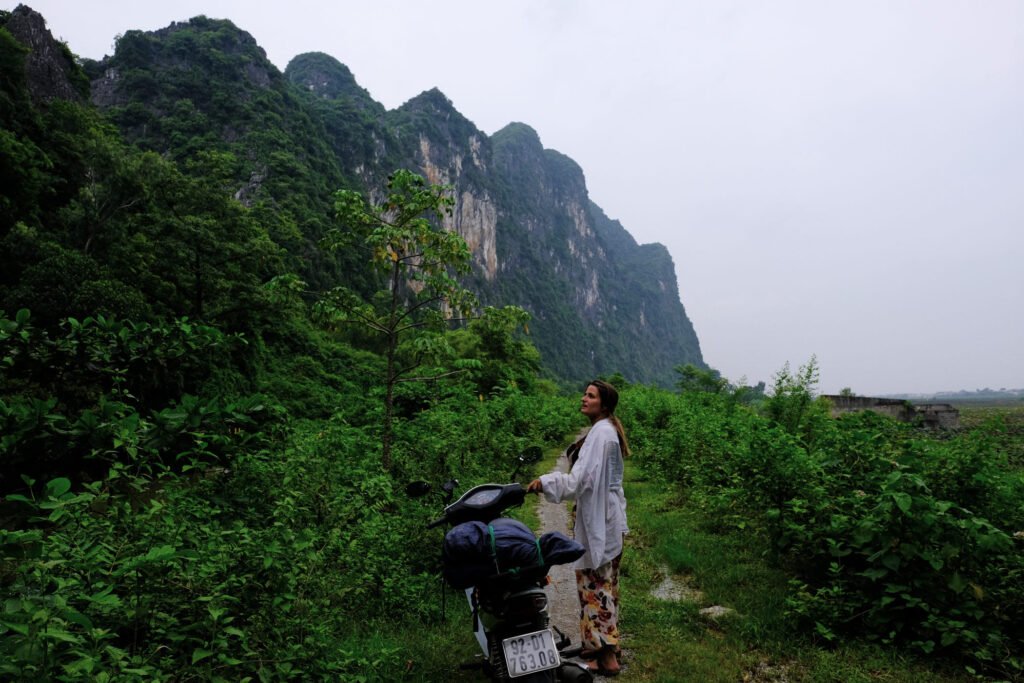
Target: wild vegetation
{"points": [[190, 441], [217, 539], [883, 532], [209, 410]]}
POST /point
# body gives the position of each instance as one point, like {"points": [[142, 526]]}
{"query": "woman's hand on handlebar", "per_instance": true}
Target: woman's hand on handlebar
{"points": [[535, 487]]}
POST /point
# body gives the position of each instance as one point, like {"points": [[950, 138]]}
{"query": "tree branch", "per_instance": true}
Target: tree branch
{"points": [[415, 307], [433, 377], [354, 318]]}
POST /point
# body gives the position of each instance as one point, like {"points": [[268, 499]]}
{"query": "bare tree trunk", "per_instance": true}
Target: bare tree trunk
{"points": [[389, 405], [387, 438]]}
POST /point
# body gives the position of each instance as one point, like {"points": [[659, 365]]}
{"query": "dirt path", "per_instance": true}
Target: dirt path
{"points": [[563, 603]]}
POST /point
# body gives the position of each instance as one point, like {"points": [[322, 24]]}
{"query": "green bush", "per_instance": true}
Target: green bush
{"points": [[218, 542], [889, 532]]}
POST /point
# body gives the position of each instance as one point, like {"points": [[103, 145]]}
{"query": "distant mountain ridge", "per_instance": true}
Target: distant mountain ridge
{"points": [[601, 303], [986, 394]]}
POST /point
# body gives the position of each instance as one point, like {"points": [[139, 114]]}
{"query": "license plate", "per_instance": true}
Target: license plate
{"points": [[530, 652]]}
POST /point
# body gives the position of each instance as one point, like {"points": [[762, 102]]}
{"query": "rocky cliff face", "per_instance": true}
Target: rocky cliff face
{"points": [[601, 302], [448, 149], [49, 64]]}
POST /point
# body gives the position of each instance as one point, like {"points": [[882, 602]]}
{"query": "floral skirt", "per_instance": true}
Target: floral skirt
{"points": [[599, 605]]}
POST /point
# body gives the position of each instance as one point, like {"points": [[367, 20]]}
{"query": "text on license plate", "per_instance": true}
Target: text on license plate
{"points": [[530, 652]]}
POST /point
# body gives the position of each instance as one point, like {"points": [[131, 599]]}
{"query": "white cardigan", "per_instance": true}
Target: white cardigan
{"points": [[595, 483]]}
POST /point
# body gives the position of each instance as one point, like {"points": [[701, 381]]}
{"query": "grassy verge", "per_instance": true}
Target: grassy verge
{"points": [[670, 640]]}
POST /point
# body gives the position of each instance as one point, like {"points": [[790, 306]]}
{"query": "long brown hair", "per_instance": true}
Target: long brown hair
{"points": [[609, 399]]}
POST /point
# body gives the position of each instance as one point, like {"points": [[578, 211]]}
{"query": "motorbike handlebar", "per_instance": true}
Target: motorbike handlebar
{"points": [[481, 503]]}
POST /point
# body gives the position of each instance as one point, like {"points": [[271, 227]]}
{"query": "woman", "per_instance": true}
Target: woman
{"points": [[595, 483]]}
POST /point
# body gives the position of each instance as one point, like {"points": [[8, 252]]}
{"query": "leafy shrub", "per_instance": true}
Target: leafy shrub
{"points": [[889, 532], [107, 390], [217, 543]]}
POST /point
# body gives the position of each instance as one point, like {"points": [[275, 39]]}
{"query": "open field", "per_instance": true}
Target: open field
{"points": [[974, 413], [1005, 422]]}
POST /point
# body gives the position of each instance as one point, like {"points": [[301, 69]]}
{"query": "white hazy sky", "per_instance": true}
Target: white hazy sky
{"points": [[843, 179]]}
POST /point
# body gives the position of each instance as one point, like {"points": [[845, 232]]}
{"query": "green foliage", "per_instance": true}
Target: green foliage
{"points": [[251, 568], [506, 360], [191, 468], [792, 396], [692, 378], [887, 532], [417, 260], [129, 234], [108, 391], [891, 549], [679, 543], [709, 380], [404, 245], [206, 87], [24, 167]]}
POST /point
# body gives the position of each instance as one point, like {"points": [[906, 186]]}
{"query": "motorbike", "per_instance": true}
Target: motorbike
{"points": [[509, 607]]}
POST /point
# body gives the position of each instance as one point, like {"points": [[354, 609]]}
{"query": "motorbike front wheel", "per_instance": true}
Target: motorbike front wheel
{"points": [[573, 674]]}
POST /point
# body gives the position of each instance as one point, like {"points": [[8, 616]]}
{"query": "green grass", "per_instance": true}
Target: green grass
{"points": [[672, 641], [435, 652]]}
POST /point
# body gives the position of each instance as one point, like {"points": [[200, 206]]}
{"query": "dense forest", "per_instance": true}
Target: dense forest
{"points": [[214, 392]]}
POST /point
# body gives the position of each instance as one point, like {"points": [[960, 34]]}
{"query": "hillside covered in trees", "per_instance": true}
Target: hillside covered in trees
{"points": [[241, 311], [213, 393], [202, 95]]}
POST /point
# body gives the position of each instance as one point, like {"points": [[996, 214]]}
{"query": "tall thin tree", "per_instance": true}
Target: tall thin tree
{"points": [[419, 262]]}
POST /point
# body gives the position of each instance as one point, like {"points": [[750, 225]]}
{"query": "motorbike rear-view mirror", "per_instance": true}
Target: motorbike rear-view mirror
{"points": [[416, 489]]}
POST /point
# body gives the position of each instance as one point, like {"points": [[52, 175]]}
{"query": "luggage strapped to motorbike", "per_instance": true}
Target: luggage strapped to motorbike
{"points": [[514, 571]]}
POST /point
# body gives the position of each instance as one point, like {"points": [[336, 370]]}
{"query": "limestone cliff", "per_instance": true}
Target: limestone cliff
{"points": [[449, 150], [601, 303], [49, 65]]}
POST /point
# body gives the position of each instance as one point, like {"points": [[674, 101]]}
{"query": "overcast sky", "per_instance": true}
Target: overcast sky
{"points": [[843, 179]]}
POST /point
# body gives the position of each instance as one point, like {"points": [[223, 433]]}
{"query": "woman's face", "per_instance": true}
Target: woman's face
{"points": [[591, 402]]}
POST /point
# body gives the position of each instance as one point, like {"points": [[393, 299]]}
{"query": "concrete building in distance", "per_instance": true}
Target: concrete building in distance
{"points": [[932, 415]]}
